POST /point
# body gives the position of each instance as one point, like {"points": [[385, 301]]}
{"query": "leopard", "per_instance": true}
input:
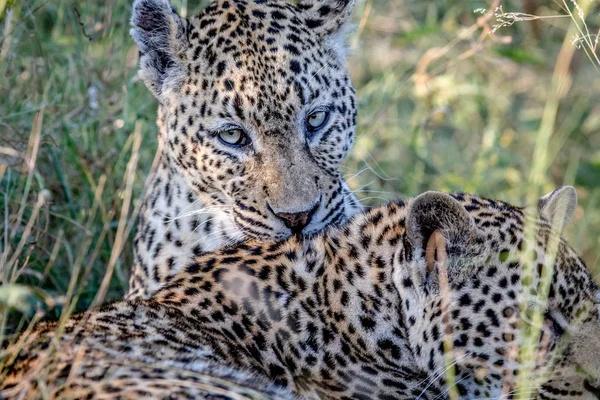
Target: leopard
{"points": [[256, 114], [379, 308]]}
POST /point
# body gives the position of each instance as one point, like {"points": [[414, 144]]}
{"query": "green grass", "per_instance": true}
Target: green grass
{"points": [[468, 118]]}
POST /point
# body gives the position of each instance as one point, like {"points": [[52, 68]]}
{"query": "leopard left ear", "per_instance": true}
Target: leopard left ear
{"points": [[161, 36], [558, 206], [434, 220], [326, 16]]}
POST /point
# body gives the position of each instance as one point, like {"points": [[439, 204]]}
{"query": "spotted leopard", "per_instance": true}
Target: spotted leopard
{"points": [[364, 311], [256, 114]]}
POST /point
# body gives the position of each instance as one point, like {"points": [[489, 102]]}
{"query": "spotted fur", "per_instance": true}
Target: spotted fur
{"points": [[356, 312], [263, 67]]}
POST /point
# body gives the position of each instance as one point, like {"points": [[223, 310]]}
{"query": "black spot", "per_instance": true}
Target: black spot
{"points": [[295, 66], [193, 268], [465, 300], [221, 68], [313, 23]]}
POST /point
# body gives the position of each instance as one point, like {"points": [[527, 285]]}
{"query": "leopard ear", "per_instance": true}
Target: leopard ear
{"points": [[558, 206], [162, 37], [434, 216], [328, 18]]}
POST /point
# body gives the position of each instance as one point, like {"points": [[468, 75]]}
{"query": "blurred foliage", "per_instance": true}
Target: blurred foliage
{"points": [[443, 104]]}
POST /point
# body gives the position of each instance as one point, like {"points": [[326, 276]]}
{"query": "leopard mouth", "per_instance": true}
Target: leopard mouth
{"points": [[252, 228], [593, 388], [265, 225]]}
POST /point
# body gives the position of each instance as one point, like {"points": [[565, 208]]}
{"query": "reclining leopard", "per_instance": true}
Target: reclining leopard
{"points": [[256, 114], [360, 311]]}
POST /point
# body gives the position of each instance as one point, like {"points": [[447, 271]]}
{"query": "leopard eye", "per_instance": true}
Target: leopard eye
{"points": [[317, 120], [234, 137]]}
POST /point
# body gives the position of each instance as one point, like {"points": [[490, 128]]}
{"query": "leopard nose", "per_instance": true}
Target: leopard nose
{"points": [[297, 221]]}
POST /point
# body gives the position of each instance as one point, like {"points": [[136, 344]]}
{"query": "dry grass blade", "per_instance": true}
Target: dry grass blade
{"points": [[119, 242], [32, 153], [531, 330], [9, 270]]}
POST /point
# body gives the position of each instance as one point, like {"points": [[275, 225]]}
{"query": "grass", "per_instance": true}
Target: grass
{"points": [[503, 105]]}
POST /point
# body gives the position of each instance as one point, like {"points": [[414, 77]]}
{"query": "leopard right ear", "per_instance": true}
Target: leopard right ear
{"points": [[558, 206], [436, 219], [330, 20], [162, 37], [326, 17]]}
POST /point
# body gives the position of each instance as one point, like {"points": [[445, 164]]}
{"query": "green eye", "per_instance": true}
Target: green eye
{"points": [[234, 137], [317, 120]]}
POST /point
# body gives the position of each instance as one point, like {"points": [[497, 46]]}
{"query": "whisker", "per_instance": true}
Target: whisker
{"points": [[456, 382], [198, 227], [353, 176], [150, 213], [438, 374], [201, 211], [351, 193], [374, 197], [372, 191], [363, 187], [383, 176], [171, 221], [218, 235], [380, 175]]}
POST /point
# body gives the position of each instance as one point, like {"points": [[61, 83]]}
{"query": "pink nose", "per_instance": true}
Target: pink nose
{"points": [[296, 222]]}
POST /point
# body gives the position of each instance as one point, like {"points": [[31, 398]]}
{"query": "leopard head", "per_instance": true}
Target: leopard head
{"points": [[486, 283], [259, 111]]}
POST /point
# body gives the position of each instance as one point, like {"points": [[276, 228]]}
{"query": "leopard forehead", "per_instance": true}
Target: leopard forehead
{"points": [[260, 61], [261, 66], [261, 35]]}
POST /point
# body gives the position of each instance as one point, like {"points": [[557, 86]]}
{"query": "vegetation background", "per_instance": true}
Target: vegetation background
{"points": [[451, 98]]}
